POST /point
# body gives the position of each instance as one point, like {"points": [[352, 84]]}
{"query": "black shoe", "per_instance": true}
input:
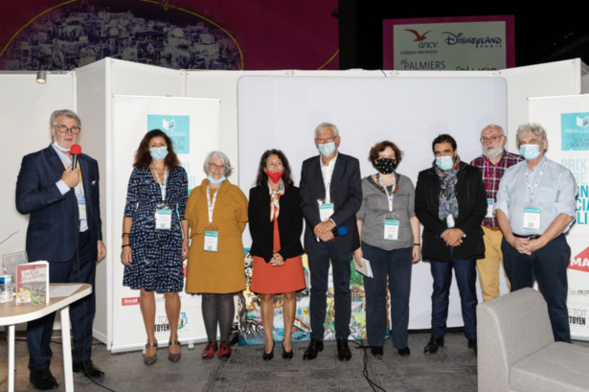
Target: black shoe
{"points": [[286, 354], [432, 345], [377, 352], [343, 351], [88, 369], [472, 345], [314, 347], [404, 352], [270, 355], [43, 379]]}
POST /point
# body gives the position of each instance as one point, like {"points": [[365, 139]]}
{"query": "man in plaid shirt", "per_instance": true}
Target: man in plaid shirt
{"points": [[493, 163]]}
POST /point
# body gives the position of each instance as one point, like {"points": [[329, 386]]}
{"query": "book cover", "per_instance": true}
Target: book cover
{"points": [[32, 283]]}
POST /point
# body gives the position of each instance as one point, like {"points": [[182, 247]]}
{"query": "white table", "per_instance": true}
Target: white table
{"points": [[10, 315]]}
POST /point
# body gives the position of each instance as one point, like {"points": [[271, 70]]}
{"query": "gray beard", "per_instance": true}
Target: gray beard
{"points": [[494, 153]]}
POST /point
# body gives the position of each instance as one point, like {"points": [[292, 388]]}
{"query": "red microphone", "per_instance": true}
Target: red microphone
{"points": [[75, 151]]}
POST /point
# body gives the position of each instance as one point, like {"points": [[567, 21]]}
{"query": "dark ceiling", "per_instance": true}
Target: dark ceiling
{"points": [[543, 33]]}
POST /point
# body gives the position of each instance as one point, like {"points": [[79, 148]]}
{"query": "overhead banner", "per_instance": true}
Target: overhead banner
{"points": [[193, 126], [481, 43], [566, 120]]}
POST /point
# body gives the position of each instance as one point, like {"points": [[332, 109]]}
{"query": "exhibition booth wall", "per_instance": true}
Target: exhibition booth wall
{"points": [[243, 113]]}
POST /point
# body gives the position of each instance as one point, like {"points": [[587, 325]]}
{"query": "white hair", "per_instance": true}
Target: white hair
{"points": [[223, 158]]}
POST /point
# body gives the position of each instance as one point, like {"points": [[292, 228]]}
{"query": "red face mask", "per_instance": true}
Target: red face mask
{"points": [[274, 176]]}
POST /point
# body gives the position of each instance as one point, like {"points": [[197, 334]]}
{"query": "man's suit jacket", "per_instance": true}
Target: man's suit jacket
{"points": [[346, 195], [54, 218]]}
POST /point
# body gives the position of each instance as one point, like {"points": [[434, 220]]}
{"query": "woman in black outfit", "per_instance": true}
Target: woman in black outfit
{"points": [[276, 224]]}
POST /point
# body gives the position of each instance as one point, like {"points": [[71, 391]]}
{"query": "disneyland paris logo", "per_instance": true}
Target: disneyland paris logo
{"points": [[452, 39]]}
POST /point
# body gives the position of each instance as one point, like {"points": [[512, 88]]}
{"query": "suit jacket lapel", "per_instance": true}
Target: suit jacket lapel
{"points": [[338, 171], [320, 184], [85, 181]]}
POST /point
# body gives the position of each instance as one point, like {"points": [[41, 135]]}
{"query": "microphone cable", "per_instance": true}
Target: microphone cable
{"points": [[360, 345]]}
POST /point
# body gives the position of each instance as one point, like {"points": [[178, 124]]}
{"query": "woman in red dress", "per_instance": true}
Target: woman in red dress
{"points": [[276, 224]]}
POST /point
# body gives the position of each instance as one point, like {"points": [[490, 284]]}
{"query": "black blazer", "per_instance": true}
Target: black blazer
{"points": [[346, 195], [54, 218], [290, 223], [472, 208]]}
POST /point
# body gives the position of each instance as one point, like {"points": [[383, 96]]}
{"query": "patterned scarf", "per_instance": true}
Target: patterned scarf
{"points": [[275, 200], [448, 202]]}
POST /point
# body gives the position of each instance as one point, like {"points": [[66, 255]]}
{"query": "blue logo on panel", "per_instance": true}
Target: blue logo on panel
{"points": [[574, 131], [176, 127]]}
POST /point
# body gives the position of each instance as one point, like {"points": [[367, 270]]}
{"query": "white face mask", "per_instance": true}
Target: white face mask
{"points": [[445, 163], [493, 153], [529, 151], [326, 149], [60, 148], [215, 180]]}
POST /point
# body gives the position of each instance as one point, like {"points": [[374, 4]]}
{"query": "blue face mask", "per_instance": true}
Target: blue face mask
{"points": [[530, 151], [215, 181], [159, 154], [445, 163], [326, 149]]}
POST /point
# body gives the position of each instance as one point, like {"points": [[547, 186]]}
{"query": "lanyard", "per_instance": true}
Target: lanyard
{"points": [[488, 173], [210, 204], [162, 185], [386, 191], [535, 188]]}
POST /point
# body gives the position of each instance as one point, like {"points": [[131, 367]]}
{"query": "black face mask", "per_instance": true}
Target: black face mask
{"points": [[386, 165]]}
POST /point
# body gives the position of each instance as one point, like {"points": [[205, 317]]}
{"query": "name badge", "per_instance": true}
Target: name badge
{"points": [[82, 208], [391, 229], [163, 219], [532, 218], [325, 211], [490, 203], [450, 221], [211, 241]]}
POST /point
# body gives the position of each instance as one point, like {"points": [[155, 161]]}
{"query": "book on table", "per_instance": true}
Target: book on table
{"points": [[32, 283]]}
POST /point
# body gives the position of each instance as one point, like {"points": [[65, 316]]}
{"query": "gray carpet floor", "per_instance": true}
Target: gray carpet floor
{"points": [[454, 368]]}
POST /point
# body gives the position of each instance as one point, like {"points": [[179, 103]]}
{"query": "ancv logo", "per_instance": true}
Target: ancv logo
{"points": [[418, 37], [580, 262]]}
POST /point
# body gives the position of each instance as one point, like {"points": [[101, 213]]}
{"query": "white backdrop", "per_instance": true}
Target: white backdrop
{"points": [[129, 124], [553, 114], [278, 112]]}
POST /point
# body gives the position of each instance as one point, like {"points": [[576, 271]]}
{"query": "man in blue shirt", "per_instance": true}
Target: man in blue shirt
{"points": [[535, 207]]}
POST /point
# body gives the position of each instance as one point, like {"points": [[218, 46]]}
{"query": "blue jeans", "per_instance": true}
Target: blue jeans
{"points": [[549, 266], [396, 264], [466, 274], [319, 261]]}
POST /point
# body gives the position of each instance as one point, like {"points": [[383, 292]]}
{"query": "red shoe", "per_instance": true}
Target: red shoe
{"points": [[209, 351], [224, 350]]}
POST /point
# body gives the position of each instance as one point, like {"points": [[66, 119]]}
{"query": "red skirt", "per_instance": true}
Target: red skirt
{"points": [[276, 280]]}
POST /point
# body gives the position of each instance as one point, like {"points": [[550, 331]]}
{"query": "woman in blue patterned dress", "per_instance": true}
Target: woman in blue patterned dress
{"points": [[155, 235]]}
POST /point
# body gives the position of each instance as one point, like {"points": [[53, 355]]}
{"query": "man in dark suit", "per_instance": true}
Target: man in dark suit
{"points": [[66, 230], [331, 194]]}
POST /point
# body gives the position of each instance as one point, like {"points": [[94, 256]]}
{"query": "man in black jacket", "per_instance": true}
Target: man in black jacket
{"points": [[450, 202], [331, 194]]}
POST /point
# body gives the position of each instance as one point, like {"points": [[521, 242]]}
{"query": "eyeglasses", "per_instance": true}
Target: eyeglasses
{"points": [[274, 164], [63, 129], [220, 167], [326, 140], [491, 139]]}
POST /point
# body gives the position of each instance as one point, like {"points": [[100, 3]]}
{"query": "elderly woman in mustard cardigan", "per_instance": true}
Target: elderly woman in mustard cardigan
{"points": [[217, 214]]}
